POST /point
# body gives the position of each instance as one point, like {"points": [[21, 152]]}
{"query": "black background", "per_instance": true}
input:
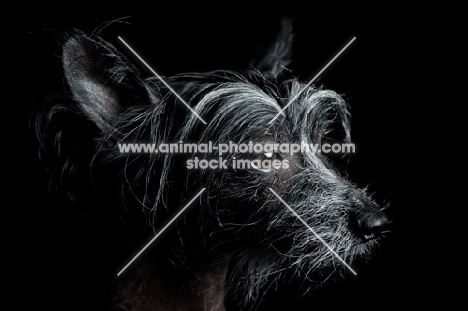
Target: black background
{"points": [[388, 75]]}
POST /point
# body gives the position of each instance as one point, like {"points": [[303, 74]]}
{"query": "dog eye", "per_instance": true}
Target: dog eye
{"points": [[267, 156], [266, 161]]}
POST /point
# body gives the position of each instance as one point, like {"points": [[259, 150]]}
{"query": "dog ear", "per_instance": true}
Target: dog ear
{"points": [[334, 126], [326, 118], [102, 80], [279, 54]]}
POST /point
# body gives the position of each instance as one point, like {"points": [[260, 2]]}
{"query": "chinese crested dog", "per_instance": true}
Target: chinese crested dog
{"points": [[251, 228]]}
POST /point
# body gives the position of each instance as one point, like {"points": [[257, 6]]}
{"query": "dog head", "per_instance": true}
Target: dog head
{"points": [[263, 221]]}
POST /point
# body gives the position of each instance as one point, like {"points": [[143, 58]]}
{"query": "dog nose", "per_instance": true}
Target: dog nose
{"points": [[368, 224]]}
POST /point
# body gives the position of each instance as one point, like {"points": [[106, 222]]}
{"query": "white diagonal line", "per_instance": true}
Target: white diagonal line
{"points": [[161, 231], [312, 230], [313, 79], [167, 85]]}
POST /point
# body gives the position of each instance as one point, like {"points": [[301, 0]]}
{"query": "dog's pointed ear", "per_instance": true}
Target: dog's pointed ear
{"points": [[279, 54], [102, 80]]}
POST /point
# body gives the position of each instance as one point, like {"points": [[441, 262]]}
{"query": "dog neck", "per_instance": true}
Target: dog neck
{"points": [[144, 290], [210, 289]]}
